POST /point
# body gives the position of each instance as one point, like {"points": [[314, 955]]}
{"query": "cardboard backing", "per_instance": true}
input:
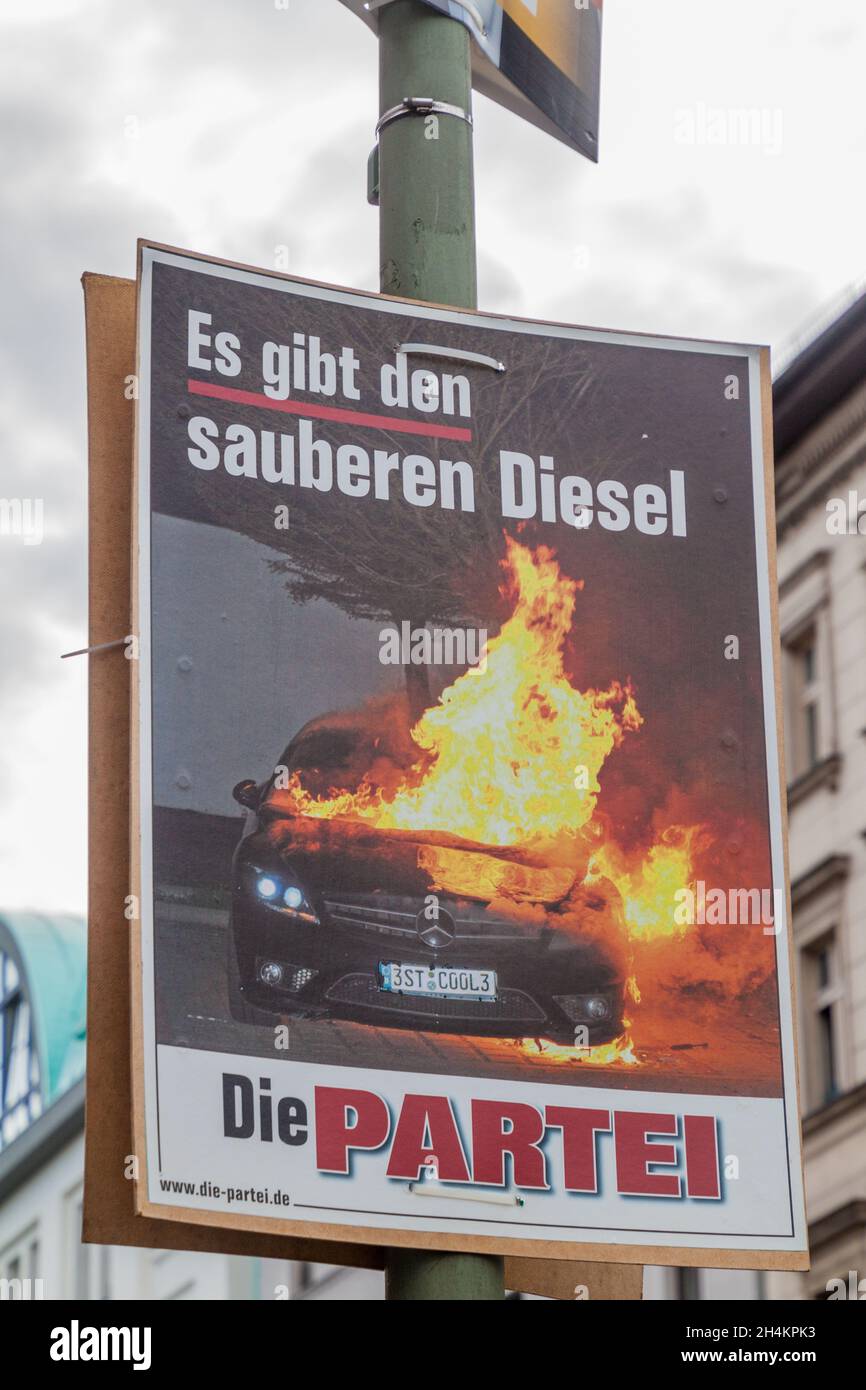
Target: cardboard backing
{"points": [[113, 1086]]}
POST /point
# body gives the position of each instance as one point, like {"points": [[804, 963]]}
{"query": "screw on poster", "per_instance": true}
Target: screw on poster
{"points": [[463, 909]]}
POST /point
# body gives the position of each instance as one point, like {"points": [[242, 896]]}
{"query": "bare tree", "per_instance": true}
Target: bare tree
{"points": [[392, 561]]}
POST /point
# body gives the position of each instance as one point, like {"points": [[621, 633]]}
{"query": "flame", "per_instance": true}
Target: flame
{"points": [[486, 876], [649, 883], [510, 758], [499, 752], [619, 1052]]}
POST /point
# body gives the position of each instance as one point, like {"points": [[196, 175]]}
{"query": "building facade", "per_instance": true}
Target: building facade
{"points": [[819, 405], [820, 415], [42, 1065]]}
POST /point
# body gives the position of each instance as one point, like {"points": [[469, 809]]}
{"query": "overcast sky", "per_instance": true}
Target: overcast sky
{"points": [[235, 127]]}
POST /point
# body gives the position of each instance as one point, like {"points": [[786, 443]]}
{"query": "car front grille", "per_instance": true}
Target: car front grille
{"points": [[394, 924], [379, 920], [510, 1006]]}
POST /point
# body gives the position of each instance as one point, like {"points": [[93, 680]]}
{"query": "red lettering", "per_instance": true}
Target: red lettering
{"points": [[702, 1156], [490, 1143], [335, 1136], [579, 1128], [430, 1117], [634, 1154]]}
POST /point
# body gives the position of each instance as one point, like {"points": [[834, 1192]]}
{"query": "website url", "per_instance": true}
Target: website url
{"points": [[254, 1196], [769, 1358]]}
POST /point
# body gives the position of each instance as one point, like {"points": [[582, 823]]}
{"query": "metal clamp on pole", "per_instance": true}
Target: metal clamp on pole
{"points": [[421, 106], [409, 106]]}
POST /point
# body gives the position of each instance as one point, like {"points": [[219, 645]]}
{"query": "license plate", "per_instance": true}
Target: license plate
{"points": [[439, 981]]}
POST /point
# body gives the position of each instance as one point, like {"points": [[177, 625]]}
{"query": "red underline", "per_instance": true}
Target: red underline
{"points": [[327, 412]]}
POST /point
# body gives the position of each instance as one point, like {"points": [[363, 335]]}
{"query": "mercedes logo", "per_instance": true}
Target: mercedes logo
{"points": [[436, 931]]}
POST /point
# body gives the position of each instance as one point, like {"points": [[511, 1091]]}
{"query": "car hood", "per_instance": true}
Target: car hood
{"points": [[343, 854]]}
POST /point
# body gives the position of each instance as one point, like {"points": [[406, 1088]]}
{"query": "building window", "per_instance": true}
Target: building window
{"points": [[20, 1093], [822, 1004], [89, 1269], [19, 1267], [805, 698], [808, 685]]}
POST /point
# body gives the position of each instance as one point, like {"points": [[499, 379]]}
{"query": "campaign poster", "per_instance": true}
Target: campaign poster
{"points": [[462, 902], [539, 58]]}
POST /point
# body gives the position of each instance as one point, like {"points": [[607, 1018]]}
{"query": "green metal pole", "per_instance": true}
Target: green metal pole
{"points": [[427, 251], [426, 191], [429, 1276]]}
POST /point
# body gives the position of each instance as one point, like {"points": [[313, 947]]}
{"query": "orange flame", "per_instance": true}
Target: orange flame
{"points": [[649, 883], [619, 1052], [510, 754]]}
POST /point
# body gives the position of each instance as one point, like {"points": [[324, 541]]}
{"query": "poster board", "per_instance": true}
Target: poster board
{"points": [[540, 59], [109, 1215], [736, 1105]]}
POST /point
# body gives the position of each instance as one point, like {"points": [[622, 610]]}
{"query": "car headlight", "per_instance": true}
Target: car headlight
{"points": [[282, 892]]}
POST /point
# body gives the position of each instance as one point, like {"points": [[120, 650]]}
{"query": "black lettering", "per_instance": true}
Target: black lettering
{"points": [[292, 1121], [238, 1088]]}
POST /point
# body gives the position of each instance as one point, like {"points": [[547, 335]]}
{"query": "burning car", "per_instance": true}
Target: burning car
{"points": [[338, 916]]}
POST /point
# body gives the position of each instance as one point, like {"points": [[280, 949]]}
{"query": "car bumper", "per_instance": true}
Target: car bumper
{"points": [[327, 972]]}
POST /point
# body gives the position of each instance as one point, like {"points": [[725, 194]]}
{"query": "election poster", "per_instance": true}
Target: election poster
{"points": [[539, 58], [462, 896]]}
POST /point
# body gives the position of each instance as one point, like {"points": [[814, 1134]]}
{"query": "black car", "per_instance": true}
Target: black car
{"points": [[335, 918]]}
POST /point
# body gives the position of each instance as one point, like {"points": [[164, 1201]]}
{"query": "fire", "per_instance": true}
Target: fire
{"points": [[619, 1052], [499, 753], [648, 883], [510, 758], [491, 877]]}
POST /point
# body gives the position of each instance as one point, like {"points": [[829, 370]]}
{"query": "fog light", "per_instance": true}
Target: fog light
{"points": [[302, 977], [270, 973], [584, 1008]]}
